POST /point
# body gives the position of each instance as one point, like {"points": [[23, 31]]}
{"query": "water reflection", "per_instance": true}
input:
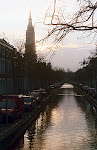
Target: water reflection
{"points": [[91, 120], [67, 123]]}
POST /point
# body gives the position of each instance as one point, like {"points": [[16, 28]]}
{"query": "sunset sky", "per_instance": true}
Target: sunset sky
{"points": [[14, 16]]}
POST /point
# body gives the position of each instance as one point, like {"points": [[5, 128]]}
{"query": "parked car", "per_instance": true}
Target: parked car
{"points": [[95, 94], [80, 86], [42, 92], [85, 88], [91, 91], [36, 94], [52, 86], [15, 106], [28, 103]]}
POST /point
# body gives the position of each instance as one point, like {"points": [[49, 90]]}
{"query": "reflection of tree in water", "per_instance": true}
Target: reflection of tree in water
{"points": [[35, 136], [83, 103], [44, 121], [37, 131], [30, 134], [91, 119]]}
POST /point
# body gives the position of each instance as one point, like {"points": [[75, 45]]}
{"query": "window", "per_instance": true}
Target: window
{"points": [[0, 85], [7, 53], [9, 66], [10, 104], [4, 86], [0, 50], [3, 51], [3, 65], [0, 66], [10, 54]]}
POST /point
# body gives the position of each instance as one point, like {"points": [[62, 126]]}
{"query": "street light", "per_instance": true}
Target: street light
{"points": [[6, 77]]}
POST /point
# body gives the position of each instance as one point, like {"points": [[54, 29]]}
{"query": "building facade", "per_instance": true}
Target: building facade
{"points": [[7, 62], [16, 71]]}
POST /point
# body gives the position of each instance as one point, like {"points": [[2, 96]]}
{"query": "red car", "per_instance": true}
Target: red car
{"points": [[15, 107]]}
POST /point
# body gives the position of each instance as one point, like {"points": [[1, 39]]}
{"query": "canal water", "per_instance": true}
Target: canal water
{"points": [[68, 122]]}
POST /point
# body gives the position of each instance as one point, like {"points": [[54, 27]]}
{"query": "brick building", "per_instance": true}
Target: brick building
{"points": [[17, 72]]}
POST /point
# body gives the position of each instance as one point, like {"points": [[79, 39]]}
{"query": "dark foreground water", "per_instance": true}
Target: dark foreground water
{"points": [[68, 123]]}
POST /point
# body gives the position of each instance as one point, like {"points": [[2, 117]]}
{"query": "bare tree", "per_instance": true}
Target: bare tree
{"points": [[20, 45], [85, 19]]}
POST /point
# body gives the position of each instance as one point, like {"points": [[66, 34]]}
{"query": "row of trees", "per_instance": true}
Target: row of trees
{"points": [[39, 72], [84, 19], [88, 74]]}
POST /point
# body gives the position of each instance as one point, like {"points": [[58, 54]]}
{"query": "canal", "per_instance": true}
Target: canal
{"points": [[68, 122]]}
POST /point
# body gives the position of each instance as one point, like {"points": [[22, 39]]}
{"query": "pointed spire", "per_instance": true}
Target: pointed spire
{"points": [[30, 19], [30, 34]]}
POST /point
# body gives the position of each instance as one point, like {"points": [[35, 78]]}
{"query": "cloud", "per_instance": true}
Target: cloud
{"points": [[53, 47], [76, 46]]}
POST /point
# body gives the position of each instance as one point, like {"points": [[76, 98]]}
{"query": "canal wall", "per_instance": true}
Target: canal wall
{"points": [[12, 132], [90, 99]]}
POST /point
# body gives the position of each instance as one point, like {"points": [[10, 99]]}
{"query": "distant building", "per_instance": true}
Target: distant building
{"points": [[30, 58], [30, 48], [30, 34]]}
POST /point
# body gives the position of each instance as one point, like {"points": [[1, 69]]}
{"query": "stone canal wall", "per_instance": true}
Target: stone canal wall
{"points": [[10, 133], [90, 99]]}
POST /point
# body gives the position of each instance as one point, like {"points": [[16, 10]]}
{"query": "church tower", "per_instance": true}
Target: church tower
{"points": [[30, 40]]}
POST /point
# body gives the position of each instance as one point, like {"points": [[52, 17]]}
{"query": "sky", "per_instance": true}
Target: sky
{"points": [[69, 53]]}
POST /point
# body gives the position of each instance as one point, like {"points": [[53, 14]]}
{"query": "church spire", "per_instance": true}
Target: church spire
{"points": [[30, 15], [30, 20], [30, 37]]}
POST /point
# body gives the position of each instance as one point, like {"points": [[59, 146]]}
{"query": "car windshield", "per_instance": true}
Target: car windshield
{"points": [[10, 105], [35, 92], [42, 90], [27, 99]]}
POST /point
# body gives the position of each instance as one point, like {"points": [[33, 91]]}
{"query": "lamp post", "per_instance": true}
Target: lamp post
{"points": [[6, 77]]}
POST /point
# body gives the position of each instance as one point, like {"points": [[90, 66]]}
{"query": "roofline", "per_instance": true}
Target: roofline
{"points": [[6, 44]]}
